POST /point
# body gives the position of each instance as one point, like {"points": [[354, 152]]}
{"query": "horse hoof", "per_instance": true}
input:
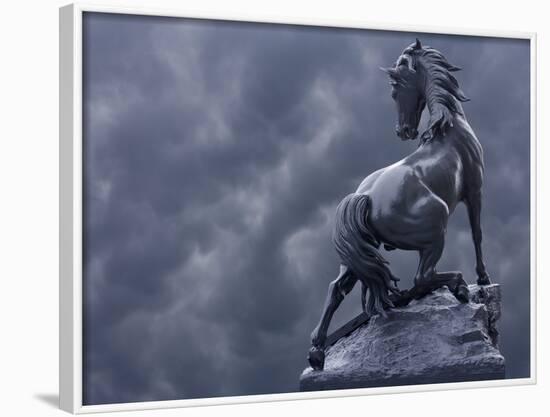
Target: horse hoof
{"points": [[483, 280], [462, 294], [316, 358]]}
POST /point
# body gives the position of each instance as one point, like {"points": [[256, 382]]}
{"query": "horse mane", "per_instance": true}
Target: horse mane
{"points": [[443, 94], [443, 85]]}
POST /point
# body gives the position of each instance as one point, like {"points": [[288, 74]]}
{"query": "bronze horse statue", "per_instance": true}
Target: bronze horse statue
{"points": [[406, 205]]}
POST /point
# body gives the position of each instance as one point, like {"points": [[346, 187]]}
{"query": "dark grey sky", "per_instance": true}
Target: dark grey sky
{"points": [[215, 155]]}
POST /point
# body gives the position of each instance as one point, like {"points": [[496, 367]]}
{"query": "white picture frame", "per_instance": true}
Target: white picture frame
{"points": [[70, 206]]}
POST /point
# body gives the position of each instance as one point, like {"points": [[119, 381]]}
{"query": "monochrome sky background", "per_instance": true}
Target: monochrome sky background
{"points": [[215, 155]]}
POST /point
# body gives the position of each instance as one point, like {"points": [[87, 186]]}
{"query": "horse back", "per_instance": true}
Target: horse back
{"points": [[451, 165]]}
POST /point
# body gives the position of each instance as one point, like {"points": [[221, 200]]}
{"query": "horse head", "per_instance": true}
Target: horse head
{"points": [[422, 77], [408, 91]]}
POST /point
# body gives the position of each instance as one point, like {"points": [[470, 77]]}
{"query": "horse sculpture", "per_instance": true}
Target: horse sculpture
{"points": [[406, 205]]}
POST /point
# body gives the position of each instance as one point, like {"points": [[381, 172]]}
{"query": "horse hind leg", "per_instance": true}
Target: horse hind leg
{"points": [[337, 290], [428, 280], [456, 284]]}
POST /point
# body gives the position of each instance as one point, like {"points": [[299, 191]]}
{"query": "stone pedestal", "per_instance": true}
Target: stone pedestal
{"points": [[432, 340]]}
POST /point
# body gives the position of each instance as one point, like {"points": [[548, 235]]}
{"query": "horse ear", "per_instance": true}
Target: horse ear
{"points": [[417, 45], [392, 72], [454, 68]]}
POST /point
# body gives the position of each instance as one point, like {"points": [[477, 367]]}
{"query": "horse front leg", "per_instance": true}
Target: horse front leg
{"points": [[473, 204], [337, 290]]}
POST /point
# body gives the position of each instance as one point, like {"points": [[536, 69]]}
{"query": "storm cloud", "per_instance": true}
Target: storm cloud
{"points": [[215, 155]]}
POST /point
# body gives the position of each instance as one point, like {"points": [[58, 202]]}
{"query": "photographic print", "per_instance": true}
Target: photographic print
{"points": [[275, 208]]}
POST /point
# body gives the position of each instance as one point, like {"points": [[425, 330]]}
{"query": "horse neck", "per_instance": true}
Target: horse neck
{"points": [[463, 138]]}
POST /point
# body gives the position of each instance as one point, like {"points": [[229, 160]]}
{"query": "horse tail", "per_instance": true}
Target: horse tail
{"points": [[357, 245]]}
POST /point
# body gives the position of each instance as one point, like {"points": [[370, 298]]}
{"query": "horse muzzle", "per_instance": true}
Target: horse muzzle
{"points": [[406, 132]]}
